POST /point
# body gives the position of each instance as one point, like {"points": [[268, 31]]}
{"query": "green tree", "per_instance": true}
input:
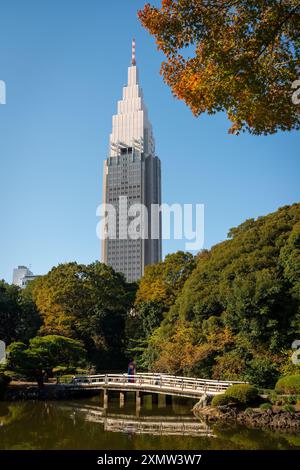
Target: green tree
{"points": [[290, 262], [262, 372], [89, 303], [19, 317], [157, 292], [162, 282], [235, 315], [237, 56], [44, 354], [140, 324]]}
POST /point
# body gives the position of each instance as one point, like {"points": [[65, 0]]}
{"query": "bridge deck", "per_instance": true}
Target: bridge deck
{"points": [[152, 383]]}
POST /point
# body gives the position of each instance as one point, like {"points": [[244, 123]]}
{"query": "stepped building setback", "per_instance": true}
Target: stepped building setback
{"points": [[133, 170]]}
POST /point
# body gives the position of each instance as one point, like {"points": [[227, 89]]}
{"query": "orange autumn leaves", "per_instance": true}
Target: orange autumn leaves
{"points": [[239, 57]]}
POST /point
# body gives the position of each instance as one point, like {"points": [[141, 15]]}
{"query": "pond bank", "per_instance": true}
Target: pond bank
{"points": [[49, 391], [252, 418]]}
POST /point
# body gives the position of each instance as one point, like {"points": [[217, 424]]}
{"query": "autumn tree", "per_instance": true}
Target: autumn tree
{"points": [[157, 292], [237, 56], [238, 312], [163, 281]]}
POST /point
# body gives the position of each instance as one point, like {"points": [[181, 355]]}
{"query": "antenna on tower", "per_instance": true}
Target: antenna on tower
{"points": [[133, 61]]}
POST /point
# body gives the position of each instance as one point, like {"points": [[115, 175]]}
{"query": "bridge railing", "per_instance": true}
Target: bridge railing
{"points": [[154, 380]]}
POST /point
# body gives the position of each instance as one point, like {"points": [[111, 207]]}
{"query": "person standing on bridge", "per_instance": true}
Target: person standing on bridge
{"points": [[131, 371]]}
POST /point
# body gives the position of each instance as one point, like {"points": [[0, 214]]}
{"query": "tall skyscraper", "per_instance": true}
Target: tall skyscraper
{"points": [[22, 276], [132, 175]]}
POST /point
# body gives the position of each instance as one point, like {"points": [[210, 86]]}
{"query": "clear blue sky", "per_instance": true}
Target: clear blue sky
{"points": [[64, 63]]}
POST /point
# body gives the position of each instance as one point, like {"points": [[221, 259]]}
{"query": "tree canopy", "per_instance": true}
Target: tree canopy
{"points": [[239, 311], [45, 353], [231, 312], [236, 56], [89, 303], [19, 317], [163, 281]]}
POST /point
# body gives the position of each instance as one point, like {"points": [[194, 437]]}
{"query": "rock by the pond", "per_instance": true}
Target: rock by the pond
{"points": [[255, 418]]}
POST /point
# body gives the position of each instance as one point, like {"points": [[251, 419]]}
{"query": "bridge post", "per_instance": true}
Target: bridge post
{"points": [[162, 401], [155, 398], [122, 399], [138, 402], [105, 398]]}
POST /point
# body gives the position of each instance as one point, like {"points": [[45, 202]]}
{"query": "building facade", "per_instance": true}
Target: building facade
{"points": [[132, 176], [22, 276]]}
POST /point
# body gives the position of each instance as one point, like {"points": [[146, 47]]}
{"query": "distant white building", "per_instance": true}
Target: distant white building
{"points": [[22, 276]]}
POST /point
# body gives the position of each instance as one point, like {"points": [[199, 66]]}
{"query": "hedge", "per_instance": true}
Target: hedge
{"points": [[266, 406], [220, 400], [242, 394], [289, 408], [288, 384]]}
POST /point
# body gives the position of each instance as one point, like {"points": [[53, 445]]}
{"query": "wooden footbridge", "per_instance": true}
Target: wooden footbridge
{"points": [[143, 383]]}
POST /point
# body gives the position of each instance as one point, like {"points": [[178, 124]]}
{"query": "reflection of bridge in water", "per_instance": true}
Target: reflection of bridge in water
{"points": [[154, 425]]}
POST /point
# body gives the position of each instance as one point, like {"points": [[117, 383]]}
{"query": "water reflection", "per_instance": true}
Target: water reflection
{"points": [[137, 424], [85, 424]]}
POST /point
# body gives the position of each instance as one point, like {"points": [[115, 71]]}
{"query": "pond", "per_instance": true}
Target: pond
{"points": [[85, 424]]}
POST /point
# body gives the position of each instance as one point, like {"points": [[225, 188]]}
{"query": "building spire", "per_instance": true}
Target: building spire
{"points": [[133, 61]]}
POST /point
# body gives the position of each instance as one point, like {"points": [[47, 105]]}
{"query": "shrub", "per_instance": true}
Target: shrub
{"points": [[67, 378], [272, 397], [289, 368], [220, 400], [64, 370], [290, 400], [17, 376], [242, 394], [289, 408], [266, 406], [289, 384]]}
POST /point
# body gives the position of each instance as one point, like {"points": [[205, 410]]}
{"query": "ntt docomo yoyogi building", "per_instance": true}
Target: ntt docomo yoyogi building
{"points": [[132, 175]]}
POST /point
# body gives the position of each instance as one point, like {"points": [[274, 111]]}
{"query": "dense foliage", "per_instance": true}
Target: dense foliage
{"points": [[43, 354], [19, 317], [229, 313], [238, 394], [220, 400], [88, 303], [162, 282], [238, 312], [237, 56], [157, 292], [243, 394], [266, 406], [289, 384]]}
